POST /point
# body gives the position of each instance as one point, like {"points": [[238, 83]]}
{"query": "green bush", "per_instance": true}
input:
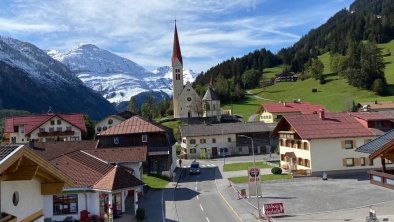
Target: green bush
{"points": [[276, 170], [140, 215]]}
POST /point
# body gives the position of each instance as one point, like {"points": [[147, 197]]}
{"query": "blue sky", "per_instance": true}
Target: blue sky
{"points": [[210, 31]]}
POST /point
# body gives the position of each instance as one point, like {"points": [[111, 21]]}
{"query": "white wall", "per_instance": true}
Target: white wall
{"points": [[64, 124], [104, 123], [92, 201], [221, 142], [135, 167], [30, 198]]}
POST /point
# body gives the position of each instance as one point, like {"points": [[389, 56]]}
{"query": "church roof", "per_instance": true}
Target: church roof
{"points": [[176, 51], [210, 94]]}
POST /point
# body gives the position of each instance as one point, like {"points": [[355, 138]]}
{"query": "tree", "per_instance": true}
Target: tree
{"points": [[148, 109], [132, 106], [378, 87], [90, 131], [316, 68], [337, 63], [251, 78]]}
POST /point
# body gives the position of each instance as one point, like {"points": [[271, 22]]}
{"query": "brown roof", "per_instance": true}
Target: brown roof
{"points": [[367, 116], [379, 105], [224, 128], [84, 169], [116, 179], [134, 125], [124, 154], [334, 125], [51, 150], [287, 107]]}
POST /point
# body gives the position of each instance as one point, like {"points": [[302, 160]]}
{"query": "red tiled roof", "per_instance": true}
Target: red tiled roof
{"points": [[334, 125], [116, 179], [370, 116], [32, 122], [302, 107], [82, 168], [123, 154], [134, 125], [51, 150], [176, 51]]}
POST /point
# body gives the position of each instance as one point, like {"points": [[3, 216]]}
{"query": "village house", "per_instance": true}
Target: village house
{"points": [[285, 77], [326, 142], [137, 132], [111, 121], [101, 178], [44, 127], [381, 148], [273, 112], [25, 179], [224, 139]]}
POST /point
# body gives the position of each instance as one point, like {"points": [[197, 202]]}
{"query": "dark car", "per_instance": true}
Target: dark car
{"points": [[194, 168]]}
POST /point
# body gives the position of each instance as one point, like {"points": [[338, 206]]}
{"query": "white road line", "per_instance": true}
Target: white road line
{"points": [[198, 197], [203, 165], [202, 209], [195, 188], [207, 219]]}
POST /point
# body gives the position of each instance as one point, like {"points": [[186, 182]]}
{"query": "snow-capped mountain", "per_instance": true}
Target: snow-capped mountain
{"points": [[33, 81], [115, 77]]}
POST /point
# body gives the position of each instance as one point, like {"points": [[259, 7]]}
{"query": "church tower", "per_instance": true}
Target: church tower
{"points": [[177, 74]]}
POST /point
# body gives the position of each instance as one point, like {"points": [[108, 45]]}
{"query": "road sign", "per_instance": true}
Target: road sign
{"points": [[254, 181], [273, 209]]}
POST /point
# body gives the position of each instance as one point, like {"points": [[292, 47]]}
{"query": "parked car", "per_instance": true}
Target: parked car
{"points": [[194, 168]]}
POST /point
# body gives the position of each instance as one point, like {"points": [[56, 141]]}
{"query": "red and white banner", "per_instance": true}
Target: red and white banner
{"points": [[273, 209]]}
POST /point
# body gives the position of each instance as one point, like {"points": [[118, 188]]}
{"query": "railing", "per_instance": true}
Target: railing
{"points": [[56, 133], [382, 179]]}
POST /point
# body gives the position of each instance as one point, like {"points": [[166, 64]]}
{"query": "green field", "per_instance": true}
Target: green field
{"points": [[155, 181], [244, 179], [243, 166]]}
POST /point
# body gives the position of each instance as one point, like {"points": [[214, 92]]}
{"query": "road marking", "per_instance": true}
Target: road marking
{"points": [[195, 188], [203, 165], [228, 204], [198, 197], [207, 219], [202, 209]]}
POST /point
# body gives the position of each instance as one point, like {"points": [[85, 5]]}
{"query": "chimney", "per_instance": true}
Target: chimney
{"points": [[321, 114]]}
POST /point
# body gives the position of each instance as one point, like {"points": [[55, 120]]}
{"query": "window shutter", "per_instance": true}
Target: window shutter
{"points": [[343, 144], [354, 144], [357, 162], [344, 162]]}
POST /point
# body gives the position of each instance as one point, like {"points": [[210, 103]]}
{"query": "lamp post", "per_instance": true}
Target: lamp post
{"points": [[255, 175]]}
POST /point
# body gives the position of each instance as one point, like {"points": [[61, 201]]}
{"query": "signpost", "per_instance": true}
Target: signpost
{"points": [[254, 181], [275, 209]]}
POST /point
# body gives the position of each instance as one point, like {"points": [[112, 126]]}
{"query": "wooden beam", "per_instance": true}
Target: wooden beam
{"points": [[51, 188], [383, 160], [23, 173], [33, 216], [45, 177]]}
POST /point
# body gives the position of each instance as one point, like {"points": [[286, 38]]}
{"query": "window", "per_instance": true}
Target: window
{"points": [[99, 128], [282, 157], [306, 146], [15, 198], [68, 128], [349, 162], [59, 122], [41, 130], [213, 140], [192, 141], [59, 129], [52, 122], [65, 204], [348, 144], [21, 130], [387, 161], [362, 161], [116, 140], [370, 162], [203, 141], [193, 151], [144, 138], [189, 99], [229, 139], [279, 117], [51, 129], [110, 121], [183, 140], [306, 163]]}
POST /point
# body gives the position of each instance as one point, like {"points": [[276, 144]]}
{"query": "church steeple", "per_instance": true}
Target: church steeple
{"points": [[176, 50]]}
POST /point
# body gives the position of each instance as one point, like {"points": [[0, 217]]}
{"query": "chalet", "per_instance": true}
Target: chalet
{"points": [[273, 112], [45, 127], [137, 132], [25, 179], [326, 141], [100, 178], [381, 148], [285, 77], [217, 140]]}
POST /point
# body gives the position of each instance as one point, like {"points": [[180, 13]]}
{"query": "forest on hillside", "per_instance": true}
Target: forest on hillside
{"points": [[350, 36]]}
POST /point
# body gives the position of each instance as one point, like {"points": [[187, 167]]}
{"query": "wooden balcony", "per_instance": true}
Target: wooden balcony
{"points": [[56, 133], [382, 179]]}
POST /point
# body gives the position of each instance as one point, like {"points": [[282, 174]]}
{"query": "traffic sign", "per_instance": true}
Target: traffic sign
{"points": [[274, 209]]}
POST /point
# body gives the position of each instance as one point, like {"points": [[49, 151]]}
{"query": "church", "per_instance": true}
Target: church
{"points": [[187, 103]]}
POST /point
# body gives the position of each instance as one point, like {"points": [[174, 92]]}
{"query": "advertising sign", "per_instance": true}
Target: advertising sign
{"points": [[254, 181], [273, 209]]}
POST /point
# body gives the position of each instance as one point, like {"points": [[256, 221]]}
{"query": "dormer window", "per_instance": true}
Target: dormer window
{"points": [[52, 122]]}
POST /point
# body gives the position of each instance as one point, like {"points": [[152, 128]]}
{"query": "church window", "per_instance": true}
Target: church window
{"points": [[189, 99]]}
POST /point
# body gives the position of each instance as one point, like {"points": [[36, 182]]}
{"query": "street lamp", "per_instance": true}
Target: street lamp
{"points": [[255, 175]]}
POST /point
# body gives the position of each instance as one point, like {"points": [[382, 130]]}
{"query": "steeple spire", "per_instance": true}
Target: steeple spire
{"points": [[176, 51]]}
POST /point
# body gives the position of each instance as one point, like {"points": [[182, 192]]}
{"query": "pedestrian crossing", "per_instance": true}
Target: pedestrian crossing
{"points": [[202, 166]]}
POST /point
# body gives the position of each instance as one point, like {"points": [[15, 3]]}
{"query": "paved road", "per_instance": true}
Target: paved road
{"points": [[197, 199]]}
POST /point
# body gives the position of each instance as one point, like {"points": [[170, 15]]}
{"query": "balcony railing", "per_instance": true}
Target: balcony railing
{"points": [[382, 179], [56, 133]]}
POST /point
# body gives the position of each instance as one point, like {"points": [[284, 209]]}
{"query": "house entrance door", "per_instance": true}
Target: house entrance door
{"points": [[214, 151]]}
